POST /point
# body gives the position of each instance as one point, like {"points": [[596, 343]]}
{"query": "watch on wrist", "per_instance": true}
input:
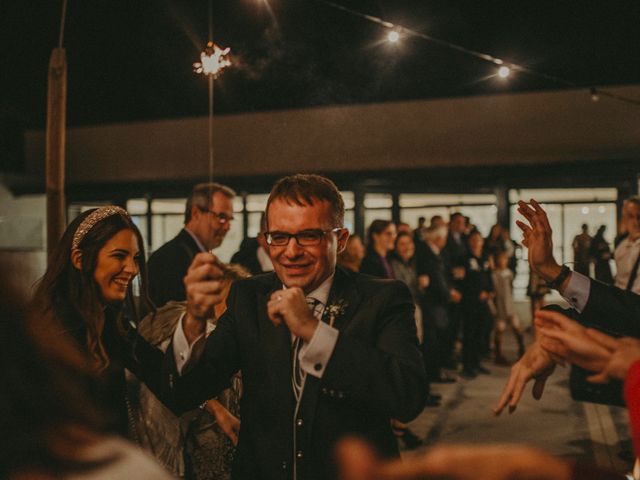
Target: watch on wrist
{"points": [[562, 276]]}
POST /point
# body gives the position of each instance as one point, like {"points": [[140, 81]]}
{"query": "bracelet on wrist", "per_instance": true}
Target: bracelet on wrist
{"points": [[557, 282]]}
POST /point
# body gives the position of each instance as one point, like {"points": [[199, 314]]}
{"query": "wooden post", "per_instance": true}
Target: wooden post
{"points": [[55, 147]]}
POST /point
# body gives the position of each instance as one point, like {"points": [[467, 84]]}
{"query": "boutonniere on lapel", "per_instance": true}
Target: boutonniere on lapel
{"points": [[335, 310]]}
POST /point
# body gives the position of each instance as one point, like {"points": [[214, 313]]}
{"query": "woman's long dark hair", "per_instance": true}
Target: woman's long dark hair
{"points": [[376, 227], [72, 296]]}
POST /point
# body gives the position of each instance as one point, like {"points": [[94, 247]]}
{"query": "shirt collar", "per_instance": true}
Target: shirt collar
{"points": [[322, 292], [195, 239]]}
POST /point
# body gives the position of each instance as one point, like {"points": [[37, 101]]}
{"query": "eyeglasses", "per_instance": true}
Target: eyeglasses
{"points": [[222, 217], [305, 238]]}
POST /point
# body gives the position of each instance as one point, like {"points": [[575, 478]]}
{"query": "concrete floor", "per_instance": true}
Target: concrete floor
{"points": [[556, 424]]}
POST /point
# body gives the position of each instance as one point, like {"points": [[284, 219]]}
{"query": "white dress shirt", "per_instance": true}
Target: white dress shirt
{"points": [[625, 256], [314, 355]]}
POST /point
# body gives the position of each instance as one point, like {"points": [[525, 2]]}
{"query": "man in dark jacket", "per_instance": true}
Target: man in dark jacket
{"points": [[323, 352], [207, 219]]}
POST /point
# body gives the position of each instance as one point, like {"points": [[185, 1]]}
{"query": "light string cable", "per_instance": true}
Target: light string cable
{"points": [[63, 17], [480, 55]]}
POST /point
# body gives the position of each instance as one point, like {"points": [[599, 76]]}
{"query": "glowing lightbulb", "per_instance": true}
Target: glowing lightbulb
{"points": [[503, 72], [213, 60], [393, 36]]}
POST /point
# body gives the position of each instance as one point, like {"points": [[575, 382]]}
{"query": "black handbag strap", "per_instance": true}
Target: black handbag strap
{"points": [[634, 273]]}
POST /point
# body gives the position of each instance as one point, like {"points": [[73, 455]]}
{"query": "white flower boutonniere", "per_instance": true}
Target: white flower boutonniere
{"points": [[335, 310]]}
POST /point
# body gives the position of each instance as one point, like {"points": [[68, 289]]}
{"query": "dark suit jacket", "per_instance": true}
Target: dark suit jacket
{"points": [[372, 265], [375, 373], [247, 255], [612, 310], [167, 267]]}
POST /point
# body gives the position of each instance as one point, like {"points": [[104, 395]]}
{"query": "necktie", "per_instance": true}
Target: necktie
{"points": [[297, 380]]}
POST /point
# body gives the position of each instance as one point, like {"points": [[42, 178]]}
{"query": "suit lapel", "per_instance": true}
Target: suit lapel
{"points": [[343, 291], [276, 342]]}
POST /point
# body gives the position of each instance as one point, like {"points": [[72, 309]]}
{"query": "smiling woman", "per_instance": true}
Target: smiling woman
{"points": [[86, 295]]}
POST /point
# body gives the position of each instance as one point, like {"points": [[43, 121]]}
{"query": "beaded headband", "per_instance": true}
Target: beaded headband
{"points": [[91, 221]]}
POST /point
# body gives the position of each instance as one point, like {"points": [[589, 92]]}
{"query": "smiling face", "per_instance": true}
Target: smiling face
{"points": [[405, 247], [386, 239], [116, 266], [211, 225], [304, 266]]}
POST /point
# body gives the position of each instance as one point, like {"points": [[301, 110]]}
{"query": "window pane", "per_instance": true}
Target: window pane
{"points": [[165, 227], [375, 214], [433, 199], [168, 205], [378, 200], [137, 206], [594, 215], [349, 201], [483, 217], [411, 215], [257, 202], [564, 194]]}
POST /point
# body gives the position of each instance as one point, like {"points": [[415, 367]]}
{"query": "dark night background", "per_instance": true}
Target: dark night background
{"points": [[131, 59]]}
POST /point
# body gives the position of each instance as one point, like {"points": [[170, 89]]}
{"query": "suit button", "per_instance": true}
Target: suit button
{"points": [[299, 422], [332, 393], [324, 390], [340, 395], [284, 465], [317, 367], [299, 455]]}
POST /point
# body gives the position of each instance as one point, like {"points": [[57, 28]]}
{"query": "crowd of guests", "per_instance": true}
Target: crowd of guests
{"points": [[221, 374], [461, 283]]}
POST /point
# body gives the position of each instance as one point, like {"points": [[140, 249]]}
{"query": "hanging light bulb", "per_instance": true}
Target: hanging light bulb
{"points": [[393, 36], [213, 60], [594, 95], [504, 72]]}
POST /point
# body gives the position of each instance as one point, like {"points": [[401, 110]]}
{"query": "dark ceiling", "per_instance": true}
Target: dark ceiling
{"points": [[131, 59]]}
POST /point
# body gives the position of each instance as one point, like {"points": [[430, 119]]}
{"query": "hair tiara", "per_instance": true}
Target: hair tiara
{"points": [[91, 221]]}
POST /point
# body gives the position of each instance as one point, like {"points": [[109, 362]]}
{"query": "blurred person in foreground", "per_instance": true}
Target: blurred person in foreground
{"points": [[358, 461], [50, 428]]}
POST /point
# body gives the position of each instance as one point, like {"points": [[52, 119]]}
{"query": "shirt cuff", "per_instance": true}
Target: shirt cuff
{"points": [[181, 348], [315, 355], [577, 291]]}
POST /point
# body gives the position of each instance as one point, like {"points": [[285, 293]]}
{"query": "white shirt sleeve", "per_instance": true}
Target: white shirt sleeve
{"points": [[577, 291], [181, 348], [315, 355]]}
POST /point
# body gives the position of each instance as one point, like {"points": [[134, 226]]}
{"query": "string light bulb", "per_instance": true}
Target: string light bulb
{"points": [[504, 72], [594, 95], [213, 60], [393, 36]]}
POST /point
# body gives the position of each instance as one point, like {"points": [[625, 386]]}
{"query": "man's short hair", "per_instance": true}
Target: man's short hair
{"points": [[202, 197], [634, 199], [433, 232], [455, 215], [303, 189]]}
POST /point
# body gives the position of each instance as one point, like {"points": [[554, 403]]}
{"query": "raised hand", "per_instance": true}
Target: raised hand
{"points": [[569, 341], [624, 353], [204, 287], [538, 240], [536, 364], [290, 306], [227, 422]]}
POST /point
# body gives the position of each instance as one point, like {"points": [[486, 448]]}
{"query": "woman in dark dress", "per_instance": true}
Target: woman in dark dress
{"points": [[381, 242], [601, 254]]}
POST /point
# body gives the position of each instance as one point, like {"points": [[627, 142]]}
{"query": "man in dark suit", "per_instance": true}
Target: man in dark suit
{"points": [[323, 352], [598, 305], [435, 303], [207, 219]]}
